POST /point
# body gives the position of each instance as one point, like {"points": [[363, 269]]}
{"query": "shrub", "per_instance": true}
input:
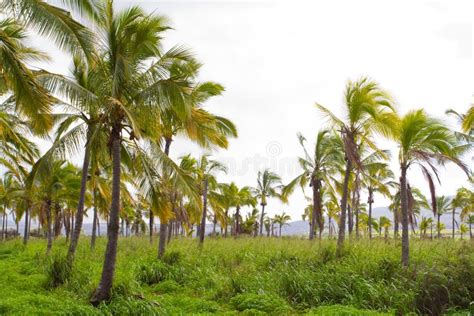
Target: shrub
{"points": [[261, 302]]}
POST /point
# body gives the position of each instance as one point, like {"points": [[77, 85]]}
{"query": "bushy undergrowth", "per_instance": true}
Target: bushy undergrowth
{"points": [[248, 276]]}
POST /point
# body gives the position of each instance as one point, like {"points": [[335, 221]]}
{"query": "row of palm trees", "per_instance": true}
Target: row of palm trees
{"points": [[124, 103]]}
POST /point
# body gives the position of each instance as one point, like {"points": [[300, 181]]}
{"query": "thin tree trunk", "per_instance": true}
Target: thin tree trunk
{"points": [[370, 201], [439, 226], [342, 220], [3, 224], [396, 223], [151, 226], [80, 206], [27, 221], [204, 212], [279, 229], [102, 292], [237, 221], [404, 207], [94, 228], [214, 232], [453, 220], [50, 231], [163, 226], [261, 219]]}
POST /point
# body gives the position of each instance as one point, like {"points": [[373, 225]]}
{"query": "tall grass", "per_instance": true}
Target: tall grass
{"points": [[249, 275]]}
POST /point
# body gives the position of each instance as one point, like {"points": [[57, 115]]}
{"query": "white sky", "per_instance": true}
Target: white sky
{"points": [[276, 58]]}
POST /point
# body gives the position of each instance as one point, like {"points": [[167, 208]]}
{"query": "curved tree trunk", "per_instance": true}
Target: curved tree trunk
{"points": [[404, 207], [342, 220], [102, 292], [204, 212], [80, 207], [261, 219]]}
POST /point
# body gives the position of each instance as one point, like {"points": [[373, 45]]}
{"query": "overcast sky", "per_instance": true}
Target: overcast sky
{"points": [[276, 58]]}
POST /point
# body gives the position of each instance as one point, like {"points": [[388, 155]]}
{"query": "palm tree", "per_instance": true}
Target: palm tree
{"points": [[31, 98], [463, 229], [206, 170], [268, 185], [368, 110], [282, 220], [423, 141], [317, 169], [384, 223], [442, 207], [133, 95], [239, 197], [377, 178], [424, 224]]}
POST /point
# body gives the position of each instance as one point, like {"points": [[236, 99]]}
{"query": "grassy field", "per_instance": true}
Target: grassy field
{"points": [[242, 277]]}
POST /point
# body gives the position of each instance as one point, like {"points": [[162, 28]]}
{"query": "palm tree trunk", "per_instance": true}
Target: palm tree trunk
{"points": [[470, 229], [103, 290], [404, 206], [3, 224], [27, 221], [80, 206], [439, 225], [279, 230], [226, 219], [261, 219], [237, 221], [163, 226], [151, 226], [204, 212], [94, 229], [342, 220], [370, 201], [50, 231], [453, 220], [214, 222]]}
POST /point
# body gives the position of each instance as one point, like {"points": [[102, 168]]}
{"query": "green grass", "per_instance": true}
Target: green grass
{"points": [[242, 277]]}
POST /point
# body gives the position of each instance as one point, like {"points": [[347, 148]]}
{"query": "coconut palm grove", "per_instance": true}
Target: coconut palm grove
{"points": [[99, 216]]}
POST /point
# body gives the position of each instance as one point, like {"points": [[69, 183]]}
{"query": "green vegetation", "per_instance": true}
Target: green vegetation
{"points": [[123, 103], [251, 276]]}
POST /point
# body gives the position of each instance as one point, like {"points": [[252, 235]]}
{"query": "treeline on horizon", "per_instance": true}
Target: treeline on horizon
{"points": [[126, 100]]}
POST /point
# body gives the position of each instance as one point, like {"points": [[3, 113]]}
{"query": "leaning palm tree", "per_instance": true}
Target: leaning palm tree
{"points": [[423, 141], [369, 109], [268, 185], [317, 168]]}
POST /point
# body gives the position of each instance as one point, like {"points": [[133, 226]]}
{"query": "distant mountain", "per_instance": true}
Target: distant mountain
{"points": [[296, 228]]}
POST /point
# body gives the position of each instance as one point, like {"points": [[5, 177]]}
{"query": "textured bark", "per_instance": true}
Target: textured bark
{"points": [[204, 212], [237, 221], [102, 292], [342, 220], [404, 208], [261, 219]]}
